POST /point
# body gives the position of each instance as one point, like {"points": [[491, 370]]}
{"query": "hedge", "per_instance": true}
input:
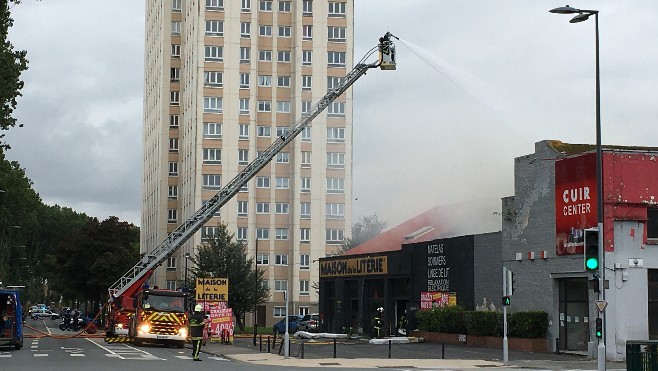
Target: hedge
{"points": [[457, 320]]}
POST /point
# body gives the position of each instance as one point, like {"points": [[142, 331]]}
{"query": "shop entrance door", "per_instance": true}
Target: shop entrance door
{"points": [[574, 314]]}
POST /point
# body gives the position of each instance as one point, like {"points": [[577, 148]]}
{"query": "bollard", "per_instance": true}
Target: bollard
{"points": [[334, 347], [268, 344], [260, 347], [389, 348], [443, 350], [302, 351], [557, 345]]}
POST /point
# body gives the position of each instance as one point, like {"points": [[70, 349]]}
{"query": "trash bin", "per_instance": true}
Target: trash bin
{"points": [[642, 355]]}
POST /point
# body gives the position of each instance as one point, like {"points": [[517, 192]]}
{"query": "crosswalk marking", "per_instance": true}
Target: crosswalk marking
{"points": [[218, 358], [41, 354]]}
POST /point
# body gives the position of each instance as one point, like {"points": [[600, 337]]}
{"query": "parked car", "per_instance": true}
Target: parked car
{"points": [[310, 323], [41, 313], [293, 324]]}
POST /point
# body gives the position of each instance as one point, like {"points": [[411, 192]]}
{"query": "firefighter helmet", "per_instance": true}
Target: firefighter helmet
{"points": [[198, 308]]}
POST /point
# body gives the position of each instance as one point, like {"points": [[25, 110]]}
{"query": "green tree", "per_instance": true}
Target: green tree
{"points": [[92, 258], [222, 256], [369, 226], [12, 64]]}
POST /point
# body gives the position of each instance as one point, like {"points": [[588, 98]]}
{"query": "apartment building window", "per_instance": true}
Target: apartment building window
{"points": [[212, 156], [244, 131], [282, 183], [283, 158], [280, 311], [212, 130], [304, 261], [284, 6], [281, 234], [306, 159], [652, 224], [245, 29], [307, 82], [335, 211], [306, 184], [335, 135], [241, 234], [173, 144], [333, 82], [171, 263], [173, 192], [214, 28], [175, 50], [214, 53], [336, 9], [306, 107], [243, 156], [264, 80], [265, 30], [283, 57], [170, 285], [245, 55], [285, 31], [307, 32], [336, 109], [264, 131], [307, 57], [243, 207], [265, 5], [173, 168], [209, 232], [212, 104], [283, 81], [280, 285], [335, 185], [213, 79], [264, 106], [303, 287], [244, 188], [281, 207], [175, 28], [334, 236], [336, 59], [263, 182], [265, 55], [336, 34], [283, 107], [263, 259], [214, 4], [244, 106], [212, 181], [174, 74], [174, 98], [305, 210], [244, 80], [171, 215], [281, 130], [173, 121], [262, 207], [304, 236], [307, 7], [246, 6], [281, 259], [336, 160]]}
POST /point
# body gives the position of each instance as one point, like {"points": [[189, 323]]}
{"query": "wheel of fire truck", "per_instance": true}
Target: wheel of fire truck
{"points": [[180, 343]]}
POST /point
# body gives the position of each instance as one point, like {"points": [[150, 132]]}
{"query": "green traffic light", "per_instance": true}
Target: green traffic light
{"points": [[599, 334], [592, 263]]}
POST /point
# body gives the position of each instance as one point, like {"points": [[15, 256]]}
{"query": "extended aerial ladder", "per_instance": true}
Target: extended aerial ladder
{"points": [[140, 271]]}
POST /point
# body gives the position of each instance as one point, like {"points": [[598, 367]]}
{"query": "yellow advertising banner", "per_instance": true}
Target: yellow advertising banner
{"points": [[354, 266], [211, 289]]}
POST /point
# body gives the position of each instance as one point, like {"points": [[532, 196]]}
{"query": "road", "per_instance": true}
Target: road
{"points": [[46, 347]]}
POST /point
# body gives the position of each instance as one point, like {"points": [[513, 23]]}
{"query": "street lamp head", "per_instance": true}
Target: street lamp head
{"points": [[565, 10], [580, 18], [187, 255]]}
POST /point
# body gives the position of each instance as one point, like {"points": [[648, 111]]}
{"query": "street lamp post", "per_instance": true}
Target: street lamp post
{"points": [[583, 15], [187, 287]]}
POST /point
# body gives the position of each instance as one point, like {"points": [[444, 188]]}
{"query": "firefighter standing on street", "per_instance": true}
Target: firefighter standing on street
{"points": [[196, 331], [377, 323]]}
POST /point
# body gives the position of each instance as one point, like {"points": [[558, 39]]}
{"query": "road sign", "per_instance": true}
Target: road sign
{"points": [[601, 304]]}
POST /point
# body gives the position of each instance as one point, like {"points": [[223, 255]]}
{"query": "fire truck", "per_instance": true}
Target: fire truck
{"points": [[129, 319]]}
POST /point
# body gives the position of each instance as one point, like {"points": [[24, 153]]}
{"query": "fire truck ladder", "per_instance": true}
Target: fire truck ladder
{"points": [[187, 229]]}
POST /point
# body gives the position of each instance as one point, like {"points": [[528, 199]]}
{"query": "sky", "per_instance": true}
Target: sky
{"points": [[478, 83]]}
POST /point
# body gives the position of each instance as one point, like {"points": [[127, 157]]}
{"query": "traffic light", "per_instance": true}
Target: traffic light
{"points": [[506, 301], [511, 282], [599, 327], [591, 251]]}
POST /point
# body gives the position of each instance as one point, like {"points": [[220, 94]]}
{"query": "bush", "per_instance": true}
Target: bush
{"points": [[484, 323], [456, 320], [529, 325]]}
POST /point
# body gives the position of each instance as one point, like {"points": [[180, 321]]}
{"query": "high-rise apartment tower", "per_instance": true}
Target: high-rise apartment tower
{"points": [[223, 79]]}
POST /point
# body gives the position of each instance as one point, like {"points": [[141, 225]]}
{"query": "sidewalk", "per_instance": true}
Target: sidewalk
{"points": [[376, 356]]}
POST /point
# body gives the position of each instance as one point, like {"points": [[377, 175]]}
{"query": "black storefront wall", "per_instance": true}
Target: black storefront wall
{"points": [[350, 296]]}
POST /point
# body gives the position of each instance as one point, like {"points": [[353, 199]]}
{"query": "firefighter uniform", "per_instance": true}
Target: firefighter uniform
{"points": [[377, 323], [196, 331]]}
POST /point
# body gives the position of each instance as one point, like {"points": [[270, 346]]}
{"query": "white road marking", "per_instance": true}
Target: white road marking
{"points": [[218, 358], [125, 351], [183, 357], [77, 355], [40, 355], [5, 355]]}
